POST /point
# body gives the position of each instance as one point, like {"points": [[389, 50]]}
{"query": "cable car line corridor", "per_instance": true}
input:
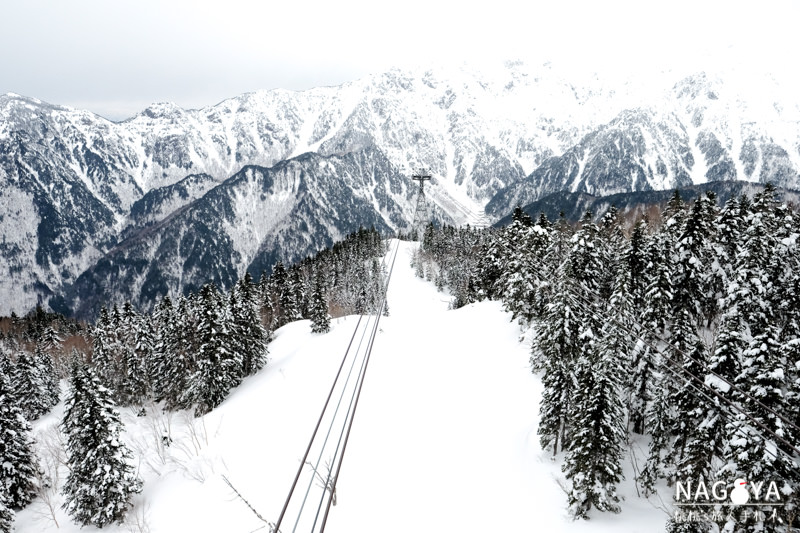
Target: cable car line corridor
{"points": [[439, 431]]}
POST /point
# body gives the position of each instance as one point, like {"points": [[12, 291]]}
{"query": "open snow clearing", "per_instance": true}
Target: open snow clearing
{"points": [[445, 437]]}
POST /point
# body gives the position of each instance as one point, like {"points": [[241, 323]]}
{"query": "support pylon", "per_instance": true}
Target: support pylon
{"points": [[421, 214]]}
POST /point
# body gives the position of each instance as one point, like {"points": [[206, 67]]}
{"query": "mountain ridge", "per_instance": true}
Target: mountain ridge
{"points": [[74, 185]]}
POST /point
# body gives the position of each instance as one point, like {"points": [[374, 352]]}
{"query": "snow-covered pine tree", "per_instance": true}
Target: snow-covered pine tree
{"points": [[101, 478], [730, 226], [593, 461], [699, 422], [657, 301], [585, 258], [750, 452], [750, 282], [725, 361], [29, 387], [686, 350], [728, 347], [6, 515], [713, 276], [17, 459], [49, 340], [50, 379], [278, 283], [790, 341], [658, 421], [162, 340], [218, 369], [635, 258], [318, 307], [690, 266], [248, 334], [267, 309], [556, 349], [104, 349], [180, 353], [522, 279], [674, 214], [612, 249], [135, 348], [294, 297], [491, 265]]}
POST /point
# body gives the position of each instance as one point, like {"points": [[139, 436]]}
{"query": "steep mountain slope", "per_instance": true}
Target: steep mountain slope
{"points": [[74, 184], [76, 188], [247, 223], [701, 130]]}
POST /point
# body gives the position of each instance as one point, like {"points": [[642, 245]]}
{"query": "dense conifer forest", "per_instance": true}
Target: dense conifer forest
{"points": [[681, 336], [189, 353]]}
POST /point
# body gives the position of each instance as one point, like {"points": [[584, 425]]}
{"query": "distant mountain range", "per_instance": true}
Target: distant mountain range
{"points": [[94, 211]]}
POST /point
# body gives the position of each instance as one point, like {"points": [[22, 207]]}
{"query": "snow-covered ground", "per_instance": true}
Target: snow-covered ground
{"points": [[444, 438]]}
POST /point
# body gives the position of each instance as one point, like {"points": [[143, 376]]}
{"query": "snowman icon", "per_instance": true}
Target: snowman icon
{"points": [[740, 495]]}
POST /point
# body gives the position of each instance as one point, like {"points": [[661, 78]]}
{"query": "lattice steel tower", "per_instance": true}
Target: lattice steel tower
{"points": [[421, 214]]}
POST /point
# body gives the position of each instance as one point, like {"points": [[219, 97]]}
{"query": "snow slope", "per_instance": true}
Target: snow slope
{"points": [[444, 438]]}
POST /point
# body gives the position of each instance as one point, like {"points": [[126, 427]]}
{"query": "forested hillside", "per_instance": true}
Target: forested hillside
{"points": [[682, 336], [189, 354]]}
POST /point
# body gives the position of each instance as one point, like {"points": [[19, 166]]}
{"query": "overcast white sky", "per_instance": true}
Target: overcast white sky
{"points": [[116, 57]]}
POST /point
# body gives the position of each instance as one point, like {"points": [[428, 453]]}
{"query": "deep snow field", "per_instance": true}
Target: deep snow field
{"points": [[444, 438]]}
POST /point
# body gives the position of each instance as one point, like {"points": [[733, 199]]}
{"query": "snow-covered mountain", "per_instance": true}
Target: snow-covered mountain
{"points": [[248, 222], [702, 129], [92, 205]]}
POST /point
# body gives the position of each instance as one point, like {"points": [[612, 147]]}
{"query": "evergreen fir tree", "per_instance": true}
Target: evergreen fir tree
{"points": [[556, 348], [29, 387], [101, 479], [660, 289], [659, 420], [636, 259], [51, 383], [6, 515], [266, 298], [320, 319], [686, 349], [640, 384], [218, 369], [17, 460], [697, 427], [729, 232], [690, 266], [490, 266], [522, 281], [180, 353], [585, 258], [248, 335], [751, 453], [593, 461], [279, 287], [135, 349], [293, 296], [162, 344], [104, 349]]}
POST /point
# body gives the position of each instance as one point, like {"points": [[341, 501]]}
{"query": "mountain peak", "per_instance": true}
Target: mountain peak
{"points": [[160, 110]]}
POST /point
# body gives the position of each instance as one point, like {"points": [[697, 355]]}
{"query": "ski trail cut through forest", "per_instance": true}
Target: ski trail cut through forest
{"points": [[445, 437], [446, 415]]}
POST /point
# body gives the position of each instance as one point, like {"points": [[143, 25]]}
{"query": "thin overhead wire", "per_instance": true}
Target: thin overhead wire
{"points": [[368, 333]]}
